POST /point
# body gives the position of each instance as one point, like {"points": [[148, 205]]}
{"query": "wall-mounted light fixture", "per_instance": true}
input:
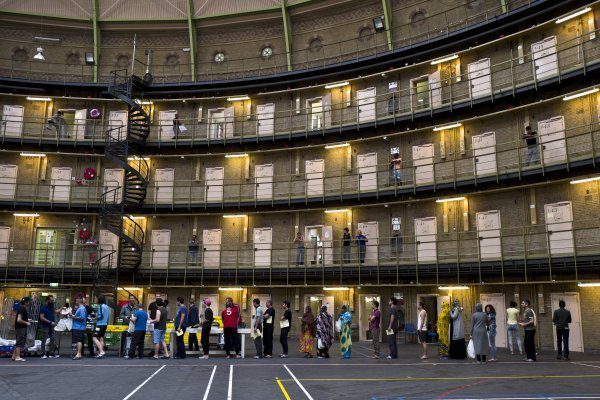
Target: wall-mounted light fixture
{"points": [[444, 59], [337, 210], [233, 289], [35, 98], [26, 215], [234, 216], [237, 155], [378, 23], [32, 155], [336, 84], [585, 180], [336, 146], [238, 98], [89, 58], [340, 288], [449, 199], [581, 94], [441, 128], [39, 55], [573, 15], [453, 287]]}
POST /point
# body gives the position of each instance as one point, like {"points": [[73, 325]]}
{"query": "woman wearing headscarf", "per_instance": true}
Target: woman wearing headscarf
{"points": [[443, 330], [307, 335], [324, 333], [345, 339], [479, 324], [491, 314], [458, 348]]}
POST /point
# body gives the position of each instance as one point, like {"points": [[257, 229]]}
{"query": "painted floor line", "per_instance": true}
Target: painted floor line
{"points": [[212, 375], [298, 383], [587, 365], [230, 386], [458, 378], [285, 393], [143, 383]]}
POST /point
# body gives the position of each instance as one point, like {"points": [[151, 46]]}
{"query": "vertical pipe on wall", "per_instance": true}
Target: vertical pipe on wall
{"points": [[287, 33], [389, 23], [192, 34], [96, 29]]}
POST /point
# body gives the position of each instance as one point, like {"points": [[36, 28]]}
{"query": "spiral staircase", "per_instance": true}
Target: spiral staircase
{"points": [[123, 147]]}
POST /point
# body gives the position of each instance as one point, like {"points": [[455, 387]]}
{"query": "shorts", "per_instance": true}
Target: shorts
{"points": [[100, 331], [158, 336], [77, 336], [422, 336], [21, 337]]}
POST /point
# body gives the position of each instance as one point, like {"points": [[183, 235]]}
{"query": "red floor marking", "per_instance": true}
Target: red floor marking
{"points": [[458, 389]]}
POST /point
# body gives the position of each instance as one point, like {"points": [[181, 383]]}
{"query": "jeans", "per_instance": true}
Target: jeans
{"points": [[395, 176], [300, 255], [283, 339], [492, 345], [230, 339], [180, 345], [193, 256], [362, 252], [375, 336], [193, 342], [137, 343], [513, 331], [258, 344], [346, 254], [205, 339], [562, 337], [393, 345], [530, 344], [48, 333], [533, 154]]}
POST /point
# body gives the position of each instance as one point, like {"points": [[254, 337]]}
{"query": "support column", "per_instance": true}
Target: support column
{"points": [[95, 13], [287, 30], [388, 19], [192, 33]]}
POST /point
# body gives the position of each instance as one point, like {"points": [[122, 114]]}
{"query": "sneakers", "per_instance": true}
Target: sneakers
{"points": [[55, 356], [257, 357], [44, 357], [283, 355], [389, 357], [19, 359]]}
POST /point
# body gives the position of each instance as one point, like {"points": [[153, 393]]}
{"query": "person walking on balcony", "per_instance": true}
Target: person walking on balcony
{"points": [[300, 248], [458, 348], [193, 322], [22, 322], [533, 150], [193, 247], [512, 327], [528, 324], [396, 169], [47, 324], [346, 242], [375, 327], [561, 319], [361, 243], [207, 321]]}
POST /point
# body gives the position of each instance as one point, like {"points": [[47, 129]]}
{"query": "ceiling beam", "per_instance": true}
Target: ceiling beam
{"points": [[192, 33], [287, 33], [389, 22]]}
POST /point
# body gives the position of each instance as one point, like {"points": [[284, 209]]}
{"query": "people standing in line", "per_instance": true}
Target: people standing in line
{"points": [[89, 334], [479, 333], [257, 327], [492, 329], [181, 323], [323, 333], [396, 169], [286, 324], [422, 328], [22, 322], [307, 335], [392, 329], [346, 242], [193, 322], [238, 337], [300, 248], [533, 151], [207, 321], [512, 327], [101, 324], [230, 318], [140, 319], [160, 327], [126, 312], [193, 247], [268, 328], [78, 331], [375, 327], [47, 324], [443, 330], [152, 308], [361, 243], [561, 319], [528, 324], [458, 348], [345, 332]]}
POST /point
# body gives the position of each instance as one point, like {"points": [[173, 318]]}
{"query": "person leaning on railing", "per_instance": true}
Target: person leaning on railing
{"points": [[300, 248]]}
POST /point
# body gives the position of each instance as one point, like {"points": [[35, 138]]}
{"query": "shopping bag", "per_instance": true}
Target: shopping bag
{"points": [[338, 325], [320, 344], [471, 349]]}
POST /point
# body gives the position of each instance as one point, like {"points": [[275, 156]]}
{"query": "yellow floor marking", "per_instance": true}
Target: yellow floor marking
{"points": [[459, 378], [285, 393]]}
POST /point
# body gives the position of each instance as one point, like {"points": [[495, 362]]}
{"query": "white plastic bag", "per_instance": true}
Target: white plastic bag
{"points": [[320, 344], [471, 349], [338, 325]]}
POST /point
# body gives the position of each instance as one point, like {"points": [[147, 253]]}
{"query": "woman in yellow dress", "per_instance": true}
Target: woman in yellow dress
{"points": [[307, 335], [443, 330]]}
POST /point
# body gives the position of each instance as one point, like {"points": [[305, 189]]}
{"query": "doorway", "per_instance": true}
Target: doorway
{"points": [[315, 108], [575, 331], [420, 88], [364, 310], [216, 123], [54, 247], [316, 301], [497, 300], [433, 307]]}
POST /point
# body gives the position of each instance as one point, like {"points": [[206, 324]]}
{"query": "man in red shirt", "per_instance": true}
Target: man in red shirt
{"points": [[230, 317]]}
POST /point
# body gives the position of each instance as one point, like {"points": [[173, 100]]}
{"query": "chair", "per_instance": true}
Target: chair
{"points": [[410, 331]]}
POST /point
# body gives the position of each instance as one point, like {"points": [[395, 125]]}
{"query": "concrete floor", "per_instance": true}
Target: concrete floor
{"points": [[299, 378]]}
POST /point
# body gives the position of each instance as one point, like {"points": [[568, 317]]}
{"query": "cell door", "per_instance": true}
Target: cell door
{"points": [[60, 189], [80, 123], [117, 125], [108, 243], [263, 243], [12, 121], [435, 89], [559, 226], [498, 301], [488, 231], [216, 124], [315, 108], [366, 104], [314, 177], [113, 185], [371, 231], [229, 115], [423, 163], [316, 301], [327, 245], [480, 78], [8, 181], [426, 239], [367, 172], [326, 100], [545, 58], [161, 241], [552, 139], [265, 119], [164, 185], [214, 183], [575, 328], [484, 151], [365, 307], [211, 246], [4, 244], [165, 124], [263, 174]]}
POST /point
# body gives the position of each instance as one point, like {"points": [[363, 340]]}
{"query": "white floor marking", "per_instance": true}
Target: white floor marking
{"points": [[143, 383], [587, 365], [230, 387], [209, 383], [298, 383]]}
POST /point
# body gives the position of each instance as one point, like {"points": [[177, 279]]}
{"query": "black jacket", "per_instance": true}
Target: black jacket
{"points": [[562, 318], [193, 317]]}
